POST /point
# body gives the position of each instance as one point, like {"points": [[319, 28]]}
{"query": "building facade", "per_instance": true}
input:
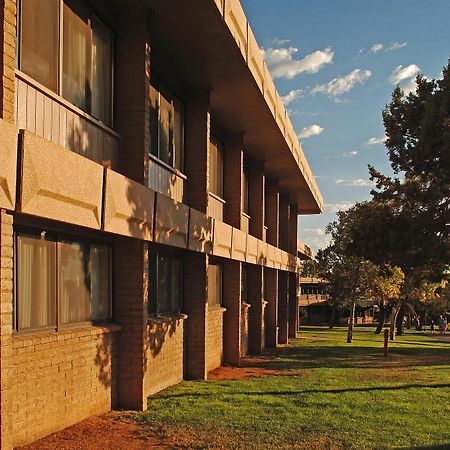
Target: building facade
{"points": [[150, 185]]}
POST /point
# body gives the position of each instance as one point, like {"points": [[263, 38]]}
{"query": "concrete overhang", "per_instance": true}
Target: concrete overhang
{"points": [[210, 46], [304, 252]]}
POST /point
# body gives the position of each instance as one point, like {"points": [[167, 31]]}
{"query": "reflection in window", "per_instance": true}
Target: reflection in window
{"points": [[165, 283], [166, 126], [59, 275]]}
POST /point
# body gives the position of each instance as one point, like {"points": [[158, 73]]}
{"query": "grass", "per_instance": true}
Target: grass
{"points": [[323, 394]]}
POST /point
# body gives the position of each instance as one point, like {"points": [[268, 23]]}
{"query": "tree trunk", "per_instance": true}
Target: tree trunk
{"points": [[333, 316], [382, 318], [394, 314], [350, 323], [399, 319]]}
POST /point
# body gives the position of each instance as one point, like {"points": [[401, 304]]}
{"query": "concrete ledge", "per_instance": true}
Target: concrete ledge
{"points": [[129, 207], [252, 250], [8, 164], [239, 245], [201, 230], [60, 184], [262, 253], [171, 223], [222, 239]]}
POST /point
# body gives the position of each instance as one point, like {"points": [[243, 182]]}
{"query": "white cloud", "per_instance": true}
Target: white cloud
{"points": [[401, 73], [396, 46], [310, 130], [358, 182], [335, 207], [291, 96], [376, 48], [277, 42], [350, 154], [376, 140], [315, 238], [282, 63], [340, 85], [409, 86]]}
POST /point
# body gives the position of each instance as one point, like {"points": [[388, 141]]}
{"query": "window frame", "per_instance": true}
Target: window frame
{"points": [[153, 299], [214, 141], [219, 288], [58, 238], [94, 16]]}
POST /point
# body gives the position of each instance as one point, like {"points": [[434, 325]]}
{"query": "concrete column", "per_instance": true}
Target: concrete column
{"points": [[284, 223], [293, 305], [232, 318], [7, 58], [256, 312], [293, 278], [282, 307], [195, 306], [131, 310], [271, 296], [272, 212], [132, 93], [232, 182], [196, 143], [256, 198]]}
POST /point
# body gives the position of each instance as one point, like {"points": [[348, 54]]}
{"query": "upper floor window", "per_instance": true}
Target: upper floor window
{"points": [[60, 282], [166, 126], [65, 47], [245, 195], [215, 179]]}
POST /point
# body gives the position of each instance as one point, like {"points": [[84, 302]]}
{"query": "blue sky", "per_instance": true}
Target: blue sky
{"points": [[336, 64]]}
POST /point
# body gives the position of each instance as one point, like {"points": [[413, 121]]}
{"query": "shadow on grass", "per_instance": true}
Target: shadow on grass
{"points": [[310, 391], [309, 357], [431, 447]]}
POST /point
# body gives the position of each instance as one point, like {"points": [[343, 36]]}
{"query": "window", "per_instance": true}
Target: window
{"points": [[165, 283], [245, 196], [166, 126], [244, 285], [76, 62], [60, 282], [214, 285], [215, 179]]}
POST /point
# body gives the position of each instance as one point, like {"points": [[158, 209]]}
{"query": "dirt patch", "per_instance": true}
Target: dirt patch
{"points": [[110, 431], [239, 373]]}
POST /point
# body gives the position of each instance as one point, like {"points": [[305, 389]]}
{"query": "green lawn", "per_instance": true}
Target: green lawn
{"points": [[325, 393]]}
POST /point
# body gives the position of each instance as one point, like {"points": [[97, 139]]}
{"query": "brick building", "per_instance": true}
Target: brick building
{"points": [[150, 184]]}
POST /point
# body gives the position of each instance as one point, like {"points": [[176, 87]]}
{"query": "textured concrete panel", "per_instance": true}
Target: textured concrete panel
{"points": [[278, 258], [201, 229], [239, 247], [129, 207], [262, 253], [8, 164], [171, 224], [270, 262], [252, 249], [60, 184], [222, 239], [284, 260]]}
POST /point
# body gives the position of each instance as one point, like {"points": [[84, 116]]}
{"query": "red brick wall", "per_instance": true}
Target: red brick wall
{"points": [[283, 307], [60, 379], [271, 322], [256, 311], [164, 354]]}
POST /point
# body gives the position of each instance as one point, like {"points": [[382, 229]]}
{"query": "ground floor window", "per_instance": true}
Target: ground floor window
{"points": [[165, 294], [60, 281], [214, 284]]}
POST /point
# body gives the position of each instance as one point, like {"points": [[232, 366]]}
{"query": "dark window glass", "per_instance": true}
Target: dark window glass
{"points": [[245, 196], [244, 286], [36, 283], [39, 49], [165, 283]]}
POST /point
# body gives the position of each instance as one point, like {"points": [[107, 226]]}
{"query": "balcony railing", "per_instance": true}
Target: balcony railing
{"points": [[48, 115], [165, 179]]}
